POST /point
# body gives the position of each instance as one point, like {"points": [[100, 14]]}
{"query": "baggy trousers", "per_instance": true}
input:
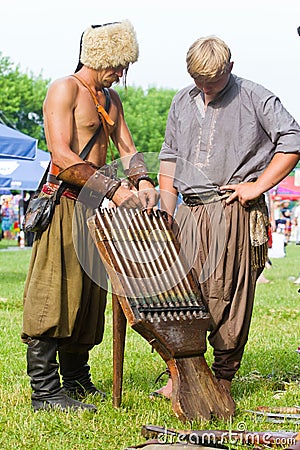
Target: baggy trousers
{"points": [[216, 242], [65, 290]]}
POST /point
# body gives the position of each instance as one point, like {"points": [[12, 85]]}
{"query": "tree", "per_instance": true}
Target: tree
{"points": [[146, 115], [21, 100]]}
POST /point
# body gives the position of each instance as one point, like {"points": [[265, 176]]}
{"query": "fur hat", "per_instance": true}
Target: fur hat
{"points": [[109, 45]]}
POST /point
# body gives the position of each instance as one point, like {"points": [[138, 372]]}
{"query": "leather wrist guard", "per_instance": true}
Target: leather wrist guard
{"points": [[77, 174], [96, 185], [144, 177], [137, 170]]}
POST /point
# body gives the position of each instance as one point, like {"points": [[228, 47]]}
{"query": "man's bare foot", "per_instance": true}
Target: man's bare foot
{"points": [[165, 391], [226, 385]]}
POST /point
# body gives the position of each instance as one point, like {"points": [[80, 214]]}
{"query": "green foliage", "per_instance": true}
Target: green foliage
{"points": [[146, 115], [21, 99]]}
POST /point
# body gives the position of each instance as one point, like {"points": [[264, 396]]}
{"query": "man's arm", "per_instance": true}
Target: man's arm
{"points": [[58, 110], [123, 141], [168, 194], [280, 166]]}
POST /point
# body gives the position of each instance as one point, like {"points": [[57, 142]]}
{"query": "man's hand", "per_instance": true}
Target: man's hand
{"points": [[279, 167], [243, 192], [145, 198], [127, 198], [148, 195]]}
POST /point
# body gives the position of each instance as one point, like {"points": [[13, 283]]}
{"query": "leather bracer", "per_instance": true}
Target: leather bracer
{"points": [[95, 185], [137, 170]]}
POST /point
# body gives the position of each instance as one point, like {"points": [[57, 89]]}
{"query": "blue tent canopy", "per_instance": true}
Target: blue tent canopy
{"points": [[25, 175], [14, 144], [5, 182]]}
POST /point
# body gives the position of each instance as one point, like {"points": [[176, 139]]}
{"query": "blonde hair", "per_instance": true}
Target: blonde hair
{"points": [[208, 57]]}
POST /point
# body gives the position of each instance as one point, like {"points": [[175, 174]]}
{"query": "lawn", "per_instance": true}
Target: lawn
{"points": [[269, 376]]}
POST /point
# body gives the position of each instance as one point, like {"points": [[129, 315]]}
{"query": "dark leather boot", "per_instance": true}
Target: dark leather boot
{"points": [[44, 378], [76, 376]]}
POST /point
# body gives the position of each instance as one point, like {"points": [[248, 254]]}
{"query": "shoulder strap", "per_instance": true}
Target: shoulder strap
{"points": [[84, 153], [44, 178], [103, 112], [87, 148]]}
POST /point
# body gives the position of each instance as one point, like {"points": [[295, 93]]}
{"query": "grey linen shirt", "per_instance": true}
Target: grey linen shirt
{"points": [[232, 141]]}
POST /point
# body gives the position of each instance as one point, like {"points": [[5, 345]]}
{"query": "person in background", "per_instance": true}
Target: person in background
{"points": [[275, 213], [286, 214], [63, 306], [7, 220], [296, 220], [296, 214], [228, 141]]}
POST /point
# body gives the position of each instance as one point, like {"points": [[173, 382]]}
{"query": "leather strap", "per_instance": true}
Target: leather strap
{"points": [[101, 111]]}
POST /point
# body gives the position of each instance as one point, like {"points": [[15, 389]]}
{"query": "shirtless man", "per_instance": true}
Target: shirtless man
{"points": [[63, 306]]}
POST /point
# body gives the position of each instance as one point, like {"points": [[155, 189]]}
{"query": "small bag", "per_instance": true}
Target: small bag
{"points": [[39, 212]]}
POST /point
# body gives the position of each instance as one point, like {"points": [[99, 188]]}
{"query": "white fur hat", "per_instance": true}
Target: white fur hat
{"points": [[109, 45]]}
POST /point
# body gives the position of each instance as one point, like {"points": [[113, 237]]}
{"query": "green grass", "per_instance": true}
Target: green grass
{"points": [[269, 374]]}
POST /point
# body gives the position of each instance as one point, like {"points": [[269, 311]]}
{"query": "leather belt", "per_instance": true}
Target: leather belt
{"points": [[205, 197], [51, 178], [69, 192]]}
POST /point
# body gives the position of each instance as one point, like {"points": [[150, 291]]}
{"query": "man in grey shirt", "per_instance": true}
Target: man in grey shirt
{"points": [[228, 140]]}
